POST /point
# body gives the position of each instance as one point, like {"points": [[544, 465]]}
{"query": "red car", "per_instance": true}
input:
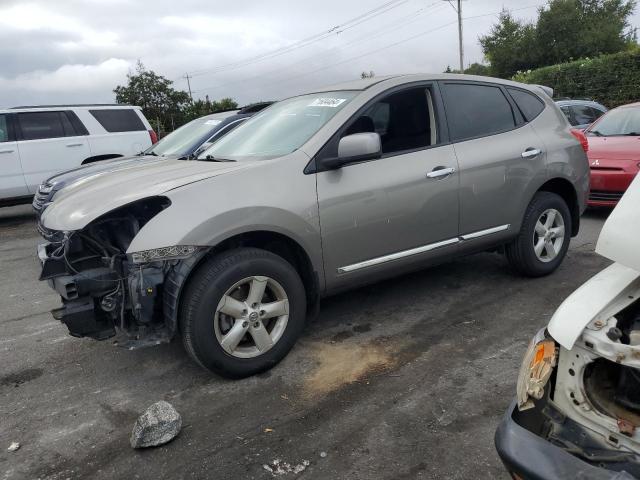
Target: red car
{"points": [[614, 154]]}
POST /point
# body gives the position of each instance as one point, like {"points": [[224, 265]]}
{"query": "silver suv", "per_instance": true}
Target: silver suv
{"points": [[316, 194]]}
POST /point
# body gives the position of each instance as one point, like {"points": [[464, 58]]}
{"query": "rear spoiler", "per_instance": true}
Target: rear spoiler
{"points": [[547, 90]]}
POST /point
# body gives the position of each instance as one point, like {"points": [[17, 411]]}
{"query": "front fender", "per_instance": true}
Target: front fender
{"points": [[209, 212]]}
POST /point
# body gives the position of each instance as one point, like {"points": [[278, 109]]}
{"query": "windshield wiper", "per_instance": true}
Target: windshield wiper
{"points": [[211, 158], [152, 153], [631, 134], [596, 133]]}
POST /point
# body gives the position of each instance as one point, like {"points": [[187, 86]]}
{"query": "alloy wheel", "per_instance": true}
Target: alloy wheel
{"points": [[548, 235], [251, 316]]}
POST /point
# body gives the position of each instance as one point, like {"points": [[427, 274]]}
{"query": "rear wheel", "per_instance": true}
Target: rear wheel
{"points": [[242, 312], [544, 237]]}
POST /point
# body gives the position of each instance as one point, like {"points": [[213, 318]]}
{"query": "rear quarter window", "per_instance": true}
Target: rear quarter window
{"points": [[529, 104], [118, 120], [476, 110]]}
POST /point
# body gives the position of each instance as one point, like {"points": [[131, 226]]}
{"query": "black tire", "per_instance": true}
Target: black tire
{"points": [[520, 253], [205, 290]]}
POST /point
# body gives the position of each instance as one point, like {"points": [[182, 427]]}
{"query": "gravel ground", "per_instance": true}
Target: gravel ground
{"points": [[403, 379]]}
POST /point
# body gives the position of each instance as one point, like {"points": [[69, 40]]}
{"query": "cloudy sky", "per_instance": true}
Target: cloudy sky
{"points": [[79, 50]]}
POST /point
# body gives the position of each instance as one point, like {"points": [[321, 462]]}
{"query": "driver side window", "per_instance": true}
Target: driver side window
{"points": [[405, 120]]}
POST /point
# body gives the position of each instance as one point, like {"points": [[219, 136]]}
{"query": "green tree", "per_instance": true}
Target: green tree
{"points": [[473, 69], [564, 30], [478, 69], [573, 29], [199, 108], [160, 102], [510, 46]]}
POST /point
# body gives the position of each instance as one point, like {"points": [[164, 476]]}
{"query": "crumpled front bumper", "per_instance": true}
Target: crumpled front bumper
{"points": [[80, 294], [528, 456]]}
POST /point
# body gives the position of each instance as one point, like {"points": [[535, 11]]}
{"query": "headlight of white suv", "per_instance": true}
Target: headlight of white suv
{"points": [[174, 252], [537, 366]]}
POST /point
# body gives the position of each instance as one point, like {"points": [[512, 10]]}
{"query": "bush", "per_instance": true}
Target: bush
{"points": [[609, 79]]}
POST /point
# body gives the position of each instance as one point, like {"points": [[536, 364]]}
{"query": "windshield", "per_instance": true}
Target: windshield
{"points": [[182, 141], [280, 129], [621, 121]]}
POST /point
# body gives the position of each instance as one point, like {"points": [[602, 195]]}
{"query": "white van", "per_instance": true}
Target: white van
{"points": [[37, 142]]}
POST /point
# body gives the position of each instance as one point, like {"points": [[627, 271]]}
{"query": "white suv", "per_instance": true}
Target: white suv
{"points": [[36, 142]]}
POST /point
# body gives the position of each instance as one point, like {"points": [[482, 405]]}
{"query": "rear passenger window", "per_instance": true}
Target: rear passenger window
{"points": [[69, 131], [567, 113], [476, 110], [583, 114], [40, 125], [118, 120], [528, 103], [4, 129]]}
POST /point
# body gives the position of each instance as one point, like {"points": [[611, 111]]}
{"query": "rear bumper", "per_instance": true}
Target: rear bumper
{"points": [[530, 457], [608, 186]]}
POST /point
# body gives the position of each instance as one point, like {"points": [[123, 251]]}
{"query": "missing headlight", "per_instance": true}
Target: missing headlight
{"points": [[174, 252]]}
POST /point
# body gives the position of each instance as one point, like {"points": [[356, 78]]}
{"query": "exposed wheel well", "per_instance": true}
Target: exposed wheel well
{"points": [[276, 243], [282, 246], [565, 189], [98, 158]]}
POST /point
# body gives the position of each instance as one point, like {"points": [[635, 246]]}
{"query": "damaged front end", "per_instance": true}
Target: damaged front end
{"points": [[598, 382], [578, 391], [105, 290]]}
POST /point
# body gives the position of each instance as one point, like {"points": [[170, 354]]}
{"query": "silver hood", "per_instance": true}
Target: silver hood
{"points": [[614, 288], [90, 197], [620, 235]]}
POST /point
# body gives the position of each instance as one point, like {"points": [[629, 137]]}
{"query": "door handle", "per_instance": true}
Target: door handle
{"points": [[74, 144], [440, 172], [531, 152], [6, 151]]}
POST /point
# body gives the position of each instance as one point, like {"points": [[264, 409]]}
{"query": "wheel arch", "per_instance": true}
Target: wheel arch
{"points": [[277, 243], [565, 189]]}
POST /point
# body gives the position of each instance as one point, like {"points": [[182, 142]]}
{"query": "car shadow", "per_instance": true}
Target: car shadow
{"points": [[16, 215]]}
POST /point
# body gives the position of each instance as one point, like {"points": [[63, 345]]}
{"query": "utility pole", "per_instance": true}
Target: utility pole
{"points": [[460, 44], [459, 36], [186, 75]]}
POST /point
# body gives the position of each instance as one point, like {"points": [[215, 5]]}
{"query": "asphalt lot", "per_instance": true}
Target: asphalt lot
{"points": [[403, 379]]}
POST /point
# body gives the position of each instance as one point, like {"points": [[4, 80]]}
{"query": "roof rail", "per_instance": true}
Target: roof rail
{"points": [[69, 105]]}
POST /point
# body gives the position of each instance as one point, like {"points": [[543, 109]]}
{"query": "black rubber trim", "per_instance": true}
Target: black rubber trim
{"points": [[533, 458]]}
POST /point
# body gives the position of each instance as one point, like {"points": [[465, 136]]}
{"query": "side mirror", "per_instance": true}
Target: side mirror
{"points": [[355, 148]]}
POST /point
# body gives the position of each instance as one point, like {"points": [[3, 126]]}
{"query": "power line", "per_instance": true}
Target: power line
{"points": [[358, 40], [498, 13], [401, 22], [365, 54], [385, 7]]}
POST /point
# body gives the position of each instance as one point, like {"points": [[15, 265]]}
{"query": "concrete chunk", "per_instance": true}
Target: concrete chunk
{"points": [[159, 424]]}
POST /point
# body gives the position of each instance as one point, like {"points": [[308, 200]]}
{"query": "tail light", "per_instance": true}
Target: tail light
{"points": [[582, 138], [154, 137]]}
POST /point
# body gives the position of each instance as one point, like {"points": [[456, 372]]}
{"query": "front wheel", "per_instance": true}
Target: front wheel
{"points": [[242, 312], [544, 237]]}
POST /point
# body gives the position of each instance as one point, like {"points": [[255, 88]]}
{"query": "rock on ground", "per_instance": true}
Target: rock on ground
{"points": [[13, 447], [159, 424]]}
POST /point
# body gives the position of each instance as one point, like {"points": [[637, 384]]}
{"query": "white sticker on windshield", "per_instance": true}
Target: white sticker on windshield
{"points": [[327, 102], [212, 122]]}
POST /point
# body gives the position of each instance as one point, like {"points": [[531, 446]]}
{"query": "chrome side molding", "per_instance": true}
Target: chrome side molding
{"points": [[425, 248], [482, 233]]}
